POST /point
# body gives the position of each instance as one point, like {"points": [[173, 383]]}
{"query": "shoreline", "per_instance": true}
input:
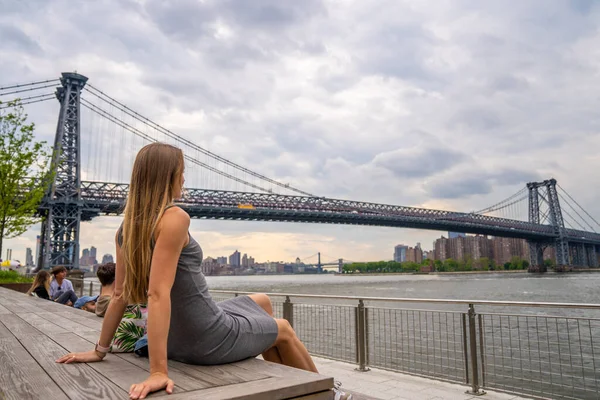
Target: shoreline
{"points": [[517, 271]]}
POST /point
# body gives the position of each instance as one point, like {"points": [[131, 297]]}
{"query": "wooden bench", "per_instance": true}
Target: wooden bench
{"points": [[35, 332]]}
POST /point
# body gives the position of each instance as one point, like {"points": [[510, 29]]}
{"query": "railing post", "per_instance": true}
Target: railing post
{"points": [[475, 390], [361, 337], [288, 310], [91, 287]]}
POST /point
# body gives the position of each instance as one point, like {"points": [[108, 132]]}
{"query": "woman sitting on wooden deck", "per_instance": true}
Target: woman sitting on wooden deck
{"points": [[158, 262]]}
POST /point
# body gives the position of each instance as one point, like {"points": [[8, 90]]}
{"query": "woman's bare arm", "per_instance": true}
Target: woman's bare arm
{"points": [[111, 320], [116, 307], [171, 237]]}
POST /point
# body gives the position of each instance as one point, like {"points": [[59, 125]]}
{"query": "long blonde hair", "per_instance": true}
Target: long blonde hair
{"points": [[42, 278], [155, 179]]}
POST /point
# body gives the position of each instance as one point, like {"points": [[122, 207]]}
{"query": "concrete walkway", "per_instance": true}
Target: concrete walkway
{"points": [[386, 385]]}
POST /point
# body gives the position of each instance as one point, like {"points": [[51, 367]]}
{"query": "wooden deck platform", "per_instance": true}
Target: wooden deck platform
{"points": [[35, 332]]}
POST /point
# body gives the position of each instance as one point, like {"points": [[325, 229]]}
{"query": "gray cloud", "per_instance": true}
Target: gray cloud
{"points": [[16, 39], [468, 182], [460, 187], [419, 162]]}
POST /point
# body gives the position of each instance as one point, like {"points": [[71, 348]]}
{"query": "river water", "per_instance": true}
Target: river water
{"points": [[549, 287]]}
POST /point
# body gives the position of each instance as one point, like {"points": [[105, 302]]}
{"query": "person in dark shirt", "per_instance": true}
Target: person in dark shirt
{"points": [[41, 285]]}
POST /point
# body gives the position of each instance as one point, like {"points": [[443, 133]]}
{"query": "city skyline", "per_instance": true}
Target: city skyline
{"points": [[450, 107]]}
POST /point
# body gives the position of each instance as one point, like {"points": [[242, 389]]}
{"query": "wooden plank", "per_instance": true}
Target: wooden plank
{"points": [[21, 377], [218, 374], [4, 332], [95, 324], [269, 388], [78, 381], [19, 327], [90, 336], [18, 307], [117, 370], [73, 343], [4, 310], [181, 379], [66, 323], [41, 324]]}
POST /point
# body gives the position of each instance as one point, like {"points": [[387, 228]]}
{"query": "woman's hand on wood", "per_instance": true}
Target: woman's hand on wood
{"points": [[156, 381], [85, 357]]}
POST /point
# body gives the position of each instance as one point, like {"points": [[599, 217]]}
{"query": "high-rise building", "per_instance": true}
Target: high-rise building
{"points": [[235, 259], [475, 247], [85, 258], [209, 266], [400, 253], [251, 262], [28, 257], [222, 260], [245, 260], [504, 249], [440, 249], [93, 255], [415, 254], [37, 249], [107, 258]]}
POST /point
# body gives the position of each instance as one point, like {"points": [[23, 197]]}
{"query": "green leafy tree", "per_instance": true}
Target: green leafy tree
{"points": [[21, 157]]}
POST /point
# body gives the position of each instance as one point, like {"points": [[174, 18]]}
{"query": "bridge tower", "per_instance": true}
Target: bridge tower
{"points": [[62, 205], [561, 245], [319, 265]]}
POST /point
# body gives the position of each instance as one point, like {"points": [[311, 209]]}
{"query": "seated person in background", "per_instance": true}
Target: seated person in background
{"points": [[61, 289], [41, 288], [86, 303], [41, 285], [106, 276]]}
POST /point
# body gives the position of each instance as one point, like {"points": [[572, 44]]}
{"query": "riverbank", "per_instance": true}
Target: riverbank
{"points": [[517, 271]]}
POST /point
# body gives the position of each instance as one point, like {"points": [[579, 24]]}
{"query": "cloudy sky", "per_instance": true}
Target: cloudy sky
{"points": [[454, 105]]}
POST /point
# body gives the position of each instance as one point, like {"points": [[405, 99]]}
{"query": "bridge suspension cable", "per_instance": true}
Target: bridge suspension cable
{"points": [[20, 85], [123, 108], [573, 219], [578, 205], [31, 100], [103, 113], [27, 90], [503, 203]]}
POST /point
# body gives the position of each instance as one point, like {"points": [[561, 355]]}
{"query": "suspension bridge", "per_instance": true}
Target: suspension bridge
{"points": [[315, 261], [97, 138]]}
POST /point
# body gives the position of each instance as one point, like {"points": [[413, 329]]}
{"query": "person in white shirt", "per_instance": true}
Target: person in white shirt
{"points": [[61, 289]]}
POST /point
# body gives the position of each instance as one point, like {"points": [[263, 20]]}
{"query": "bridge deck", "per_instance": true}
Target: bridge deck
{"points": [[35, 332]]}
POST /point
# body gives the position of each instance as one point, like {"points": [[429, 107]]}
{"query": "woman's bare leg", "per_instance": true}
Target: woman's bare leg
{"points": [[291, 349], [265, 303], [288, 349]]}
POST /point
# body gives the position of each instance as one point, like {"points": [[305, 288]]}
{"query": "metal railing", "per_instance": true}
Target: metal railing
{"points": [[544, 351], [531, 353]]}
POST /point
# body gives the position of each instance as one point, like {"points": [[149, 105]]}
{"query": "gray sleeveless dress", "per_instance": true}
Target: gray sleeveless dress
{"points": [[205, 332]]}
